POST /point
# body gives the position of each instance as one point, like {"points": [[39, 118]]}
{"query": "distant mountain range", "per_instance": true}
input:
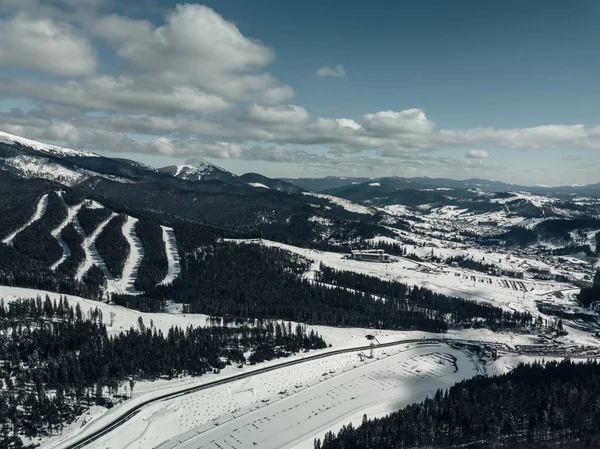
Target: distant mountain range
{"points": [[369, 188]]}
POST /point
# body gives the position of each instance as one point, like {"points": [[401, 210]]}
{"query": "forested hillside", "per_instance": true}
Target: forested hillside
{"points": [[57, 360], [532, 406]]}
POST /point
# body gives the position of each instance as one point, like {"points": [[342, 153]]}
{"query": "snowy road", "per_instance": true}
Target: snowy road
{"points": [[39, 213]]}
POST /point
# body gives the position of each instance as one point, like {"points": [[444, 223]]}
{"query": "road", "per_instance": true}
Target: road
{"points": [[115, 423]]}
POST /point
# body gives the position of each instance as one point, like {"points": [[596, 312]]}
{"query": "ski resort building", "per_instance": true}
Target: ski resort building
{"points": [[371, 255]]}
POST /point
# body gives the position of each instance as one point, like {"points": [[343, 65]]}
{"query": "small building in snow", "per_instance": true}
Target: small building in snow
{"points": [[371, 255]]}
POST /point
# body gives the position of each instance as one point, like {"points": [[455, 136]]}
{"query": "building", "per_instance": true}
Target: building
{"points": [[371, 255]]}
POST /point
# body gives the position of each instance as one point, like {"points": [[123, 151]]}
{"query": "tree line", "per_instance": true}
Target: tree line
{"points": [[532, 406]]}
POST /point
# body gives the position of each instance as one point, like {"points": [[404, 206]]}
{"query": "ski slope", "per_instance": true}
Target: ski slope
{"points": [[172, 255], [125, 284], [72, 212], [39, 213], [91, 253]]}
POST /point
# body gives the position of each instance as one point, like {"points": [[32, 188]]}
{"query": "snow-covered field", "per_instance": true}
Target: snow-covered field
{"points": [[39, 213], [290, 406], [346, 204]]}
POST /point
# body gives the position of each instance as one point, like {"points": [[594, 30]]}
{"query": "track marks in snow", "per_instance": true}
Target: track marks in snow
{"points": [[136, 252], [91, 253], [56, 233], [39, 213], [172, 255]]}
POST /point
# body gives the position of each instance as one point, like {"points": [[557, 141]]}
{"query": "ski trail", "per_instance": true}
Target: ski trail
{"points": [[71, 214], [136, 252], [172, 255], [39, 213], [91, 253]]}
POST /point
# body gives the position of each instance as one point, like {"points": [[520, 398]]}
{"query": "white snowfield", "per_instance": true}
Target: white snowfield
{"points": [[45, 168], [39, 213], [72, 212], [291, 406], [172, 255], [91, 253], [125, 284]]}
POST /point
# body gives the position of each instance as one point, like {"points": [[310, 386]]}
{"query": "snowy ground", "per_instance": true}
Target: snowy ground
{"points": [[39, 213], [289, 407], [125, 284], [346, 204], [172, 255]]}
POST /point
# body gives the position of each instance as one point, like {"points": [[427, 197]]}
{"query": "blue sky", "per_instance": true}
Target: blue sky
{"points": [[506, 90]]}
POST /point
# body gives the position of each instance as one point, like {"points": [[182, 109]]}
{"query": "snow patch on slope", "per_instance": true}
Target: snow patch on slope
{"points": [[258, 184], [39, 213], [346, 204]]}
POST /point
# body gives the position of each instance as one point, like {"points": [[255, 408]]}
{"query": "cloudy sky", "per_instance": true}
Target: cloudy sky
{"points": [[507, 90]]}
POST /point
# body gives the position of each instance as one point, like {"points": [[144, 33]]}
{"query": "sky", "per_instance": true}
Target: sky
{"points": [[505, 90]]}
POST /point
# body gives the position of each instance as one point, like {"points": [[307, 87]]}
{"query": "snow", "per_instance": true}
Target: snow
{"points": [[43, 147], [125, 284], [172, 255], [39, 213], [257, 184], [375, 184], [290, 406], [56, 233], [28, 166], [92, 257], [346, 204]]}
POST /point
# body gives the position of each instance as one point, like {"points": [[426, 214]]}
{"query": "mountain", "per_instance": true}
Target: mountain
{"points": [[198, 169], [29, 159], [260, 181]]}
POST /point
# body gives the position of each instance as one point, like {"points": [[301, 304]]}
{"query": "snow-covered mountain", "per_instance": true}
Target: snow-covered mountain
{"points": [[29, 159], [46, 149], [197, 169]]}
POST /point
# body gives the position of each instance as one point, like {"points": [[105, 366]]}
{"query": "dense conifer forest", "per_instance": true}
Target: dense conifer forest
{"points": [[90, 218], [36, 241], [113, 246], [455, 311], [153, 267], [73, 240], [532, 406], [57, 360]]}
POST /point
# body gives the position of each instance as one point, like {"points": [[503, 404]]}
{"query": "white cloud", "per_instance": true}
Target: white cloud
{"points": [[45, 45], [337, 71], [189, 147], [477, 154], [403, 122], [198, 48]]}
